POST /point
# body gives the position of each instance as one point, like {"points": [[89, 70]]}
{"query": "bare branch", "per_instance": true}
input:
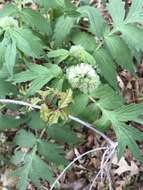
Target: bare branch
{"points": [[105, 167], [87, 125], [71, 163], [17, 102]]}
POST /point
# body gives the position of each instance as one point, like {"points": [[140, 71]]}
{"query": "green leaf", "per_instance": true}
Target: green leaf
{"points": [[8, 10], [133, 36], [62, 134], [27, 42], [88, 58], [117, 11], [36, 20], [59, 54], [96, 21], [10, 56], [34, 170], [86, 40], [47, 4], [107, 97], [118, 48], [135, 12], [63, 28], [106, 66], [17, 158], [25, 139], [35, 122], [9, 122], [6, 88], [79, 104], [127, 136], [38, 74], [128, 112], [51, 152], [103, 123]]}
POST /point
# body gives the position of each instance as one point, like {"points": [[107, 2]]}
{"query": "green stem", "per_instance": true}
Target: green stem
{"points": [[102, 42], [42, 133]]}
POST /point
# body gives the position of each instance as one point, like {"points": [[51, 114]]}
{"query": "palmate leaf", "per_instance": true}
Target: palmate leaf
{"points": [[127, 136], [106, 66], [51, 152], [117, 11], [63, 28], [36, 20], [120, 52], [38, 74], [135, 12], [32, 169], [116, 117], [97, 24]]}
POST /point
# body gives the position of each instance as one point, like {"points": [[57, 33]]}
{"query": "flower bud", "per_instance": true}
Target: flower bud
{"points": [[83, 77]]}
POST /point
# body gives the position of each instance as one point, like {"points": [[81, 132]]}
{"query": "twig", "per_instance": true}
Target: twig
{"points": [[104, 167], [17, 102], [102, 162], [108, 169], [87, 125], [71, 163]]}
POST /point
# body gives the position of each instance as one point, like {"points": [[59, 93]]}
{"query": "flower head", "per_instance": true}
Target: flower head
{"points": [[77, 51], [83, 77], [8, 22]]}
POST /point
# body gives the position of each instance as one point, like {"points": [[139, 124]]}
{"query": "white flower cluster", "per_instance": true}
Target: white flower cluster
{"points": [[8, 22], [83, 77], [77, 51]]}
